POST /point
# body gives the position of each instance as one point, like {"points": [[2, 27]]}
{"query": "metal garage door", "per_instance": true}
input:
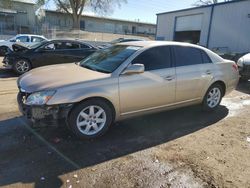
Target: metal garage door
{"points": [[189, 23]]}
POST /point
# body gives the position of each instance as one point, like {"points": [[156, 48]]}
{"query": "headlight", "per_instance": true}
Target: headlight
{"points": [[240, 62], [39, 98]]}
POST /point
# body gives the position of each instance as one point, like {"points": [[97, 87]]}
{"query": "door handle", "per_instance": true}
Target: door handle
{"points": [[208, 72], [169, 78]]}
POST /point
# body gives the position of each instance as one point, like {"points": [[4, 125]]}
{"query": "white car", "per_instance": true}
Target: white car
{"points": [[244, 67], [6, 45]]}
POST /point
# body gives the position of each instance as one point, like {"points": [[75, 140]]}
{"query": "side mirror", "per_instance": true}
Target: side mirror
{"points": [[134, 69]]}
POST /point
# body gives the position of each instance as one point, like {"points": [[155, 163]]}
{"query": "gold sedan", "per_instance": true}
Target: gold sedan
{"points": [[125, 80]]}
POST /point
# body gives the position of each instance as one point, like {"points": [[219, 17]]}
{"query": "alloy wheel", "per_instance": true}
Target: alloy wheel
{"points": [[214, 97], [91, 120], [22, 66]]}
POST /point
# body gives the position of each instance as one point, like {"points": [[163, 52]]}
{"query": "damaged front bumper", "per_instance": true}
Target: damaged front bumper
{"points": [[51, 115], [6, 63], [245, 71]]}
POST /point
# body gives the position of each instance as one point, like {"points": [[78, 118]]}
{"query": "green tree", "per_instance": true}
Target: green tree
{"points": [[76, 7]]}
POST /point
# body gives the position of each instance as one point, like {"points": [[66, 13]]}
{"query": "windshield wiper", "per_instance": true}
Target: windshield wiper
{"points": [[95, 69], [88, 67], [103, 71]]}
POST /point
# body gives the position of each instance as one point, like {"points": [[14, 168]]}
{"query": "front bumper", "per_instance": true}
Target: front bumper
{"points": [[7, 64], [51, 115]]}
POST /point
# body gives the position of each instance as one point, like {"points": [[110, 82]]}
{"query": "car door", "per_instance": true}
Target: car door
{"points": [[192, 75], [75, 51], [151, 89], [50, 53]]}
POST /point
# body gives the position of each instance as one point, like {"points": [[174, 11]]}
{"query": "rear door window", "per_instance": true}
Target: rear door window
{"points": [[36, 39], [187, 56], [155, 58]]}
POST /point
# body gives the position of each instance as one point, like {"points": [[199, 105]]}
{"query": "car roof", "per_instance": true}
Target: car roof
{"points": [[158, 43], [70, 40], [30, 35], [149, 44]]}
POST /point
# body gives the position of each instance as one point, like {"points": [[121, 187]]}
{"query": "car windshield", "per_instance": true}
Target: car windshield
{"points": [[109, 59]]}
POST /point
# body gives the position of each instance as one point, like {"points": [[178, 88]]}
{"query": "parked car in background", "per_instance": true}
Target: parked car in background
{"points": [[6, 45], [119, 40], [125, 80], [225, 53], [244, 67], [23, 58]]}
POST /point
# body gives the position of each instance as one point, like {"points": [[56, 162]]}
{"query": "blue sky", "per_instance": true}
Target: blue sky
{"points": [[144, 10]]}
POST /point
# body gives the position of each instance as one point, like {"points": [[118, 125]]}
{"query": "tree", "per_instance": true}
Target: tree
{"points": [[207, 2], [75, 7]]}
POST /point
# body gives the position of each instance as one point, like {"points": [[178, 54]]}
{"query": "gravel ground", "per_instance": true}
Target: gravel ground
{"points": [[161, 150]]}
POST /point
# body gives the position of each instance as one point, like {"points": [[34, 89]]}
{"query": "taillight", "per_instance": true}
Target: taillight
{"points": [[235, 67]]}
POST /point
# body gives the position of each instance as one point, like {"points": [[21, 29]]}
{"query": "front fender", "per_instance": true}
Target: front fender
{"points": [[78, 93]]}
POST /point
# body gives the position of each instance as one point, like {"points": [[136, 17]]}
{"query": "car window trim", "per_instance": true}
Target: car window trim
{"points": [[202, 51], [64, 43]]}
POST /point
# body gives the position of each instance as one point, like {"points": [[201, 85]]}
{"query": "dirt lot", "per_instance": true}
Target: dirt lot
{"points": [[179, 148]]}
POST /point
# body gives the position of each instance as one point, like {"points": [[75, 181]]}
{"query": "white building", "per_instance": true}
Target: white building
{"points": [[60, 20], [222, 26], [17, 16]]}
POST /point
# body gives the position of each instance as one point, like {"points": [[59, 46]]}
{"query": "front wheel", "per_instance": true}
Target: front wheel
{"points": [[21, 66], [90, 119], [212, 98]]}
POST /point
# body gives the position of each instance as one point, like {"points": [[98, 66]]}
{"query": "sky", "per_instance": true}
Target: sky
{"points": [[142, 10]]}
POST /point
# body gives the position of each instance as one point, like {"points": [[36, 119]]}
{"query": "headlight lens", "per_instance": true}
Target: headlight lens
{"points": [[39, 98]]}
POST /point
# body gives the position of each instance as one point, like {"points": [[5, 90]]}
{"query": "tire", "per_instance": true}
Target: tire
{"points": [[4, 50], [21, 66], [212, 101], [85, 124]]}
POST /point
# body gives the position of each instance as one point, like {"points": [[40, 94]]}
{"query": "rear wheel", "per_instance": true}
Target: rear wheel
{"points": [[90, 119], [213, 97], [21, 66]]}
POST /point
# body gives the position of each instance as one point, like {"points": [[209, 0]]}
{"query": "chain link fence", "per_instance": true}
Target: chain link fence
{"points": [[89, 36], [55, 33]]}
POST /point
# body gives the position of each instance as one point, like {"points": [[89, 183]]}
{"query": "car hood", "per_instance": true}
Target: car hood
{"points": [[19, 47], [55, 76]]}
